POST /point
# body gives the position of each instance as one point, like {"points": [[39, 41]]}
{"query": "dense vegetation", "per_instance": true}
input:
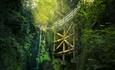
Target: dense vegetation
{"points": [[20, 35]]}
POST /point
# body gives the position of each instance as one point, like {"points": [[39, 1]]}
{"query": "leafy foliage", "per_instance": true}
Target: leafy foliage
{"points": [[95, 23], [97, 37]]}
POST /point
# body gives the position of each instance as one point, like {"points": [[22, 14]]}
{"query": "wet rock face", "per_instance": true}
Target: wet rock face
{"points": [[46, 65]]}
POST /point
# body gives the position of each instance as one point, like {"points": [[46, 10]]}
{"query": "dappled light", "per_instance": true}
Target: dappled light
{"points": [[57, 35]]}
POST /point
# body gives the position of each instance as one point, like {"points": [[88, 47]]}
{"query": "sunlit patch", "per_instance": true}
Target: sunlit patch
{"points": [[88, 2], [45, 10]]}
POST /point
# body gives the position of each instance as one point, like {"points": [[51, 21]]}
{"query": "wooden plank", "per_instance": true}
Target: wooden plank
{"points": [[62, 52]]}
